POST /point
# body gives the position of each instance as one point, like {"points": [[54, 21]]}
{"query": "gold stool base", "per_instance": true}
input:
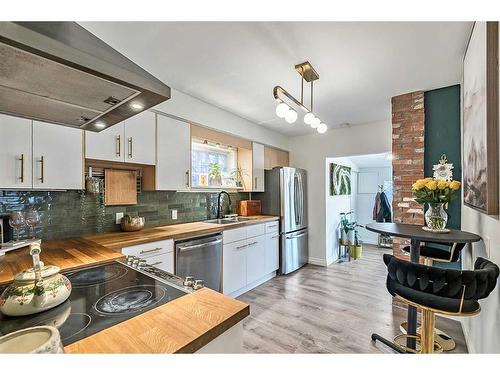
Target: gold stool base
{"points": [[400, 340], [444, 340]]}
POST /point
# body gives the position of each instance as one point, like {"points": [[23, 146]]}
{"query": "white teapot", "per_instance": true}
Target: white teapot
{"points": [[36, 289]]}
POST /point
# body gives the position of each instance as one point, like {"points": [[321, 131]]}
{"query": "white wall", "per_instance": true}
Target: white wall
{"points": [[334, 206], [310, 152], [196, 111], [368, 181]]}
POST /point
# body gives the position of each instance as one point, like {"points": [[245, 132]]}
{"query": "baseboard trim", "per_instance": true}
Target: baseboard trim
{"points": [[466, 333], [318, 261], [255, 284]]}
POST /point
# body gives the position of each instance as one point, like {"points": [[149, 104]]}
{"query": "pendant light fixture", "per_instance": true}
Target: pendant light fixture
{"points": [[285, 110]]}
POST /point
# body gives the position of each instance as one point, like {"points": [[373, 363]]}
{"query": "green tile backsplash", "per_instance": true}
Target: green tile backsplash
{"points": [[75, 213]]}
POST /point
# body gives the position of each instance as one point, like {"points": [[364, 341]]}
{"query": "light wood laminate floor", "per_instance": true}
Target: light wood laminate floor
{"points": [[331, 309]]}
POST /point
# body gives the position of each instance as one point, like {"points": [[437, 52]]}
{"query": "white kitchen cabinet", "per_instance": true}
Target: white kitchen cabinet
{"points": [[271, 252], [159, 253], [234, 266], [140, 139], [15, 152], [173, 154], [57, 157], [257, 167], [256, 258], [108, 144]]}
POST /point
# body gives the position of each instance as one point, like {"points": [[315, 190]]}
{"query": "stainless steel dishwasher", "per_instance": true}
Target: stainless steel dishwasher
{"points": [[200, 257]]}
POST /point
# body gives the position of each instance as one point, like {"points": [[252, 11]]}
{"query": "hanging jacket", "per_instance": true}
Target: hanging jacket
{"points": [[376, 207], [384, 215]]}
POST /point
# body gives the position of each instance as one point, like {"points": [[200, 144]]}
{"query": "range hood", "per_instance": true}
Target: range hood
{"points": [[59, 72]]}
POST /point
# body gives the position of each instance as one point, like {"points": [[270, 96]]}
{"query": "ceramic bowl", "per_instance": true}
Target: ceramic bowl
{"points": [[33, 340]]}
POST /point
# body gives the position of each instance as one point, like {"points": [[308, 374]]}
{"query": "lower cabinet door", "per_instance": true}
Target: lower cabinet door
{"points": [[272, 252], [234, 266], [256, 258], [164, 262]]}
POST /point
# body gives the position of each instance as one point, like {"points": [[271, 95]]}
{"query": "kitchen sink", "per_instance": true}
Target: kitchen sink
{"points": [[228, 220]]}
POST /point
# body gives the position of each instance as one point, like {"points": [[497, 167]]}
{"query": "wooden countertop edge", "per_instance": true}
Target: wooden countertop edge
{"points": [[153, 234], [215, 332]]}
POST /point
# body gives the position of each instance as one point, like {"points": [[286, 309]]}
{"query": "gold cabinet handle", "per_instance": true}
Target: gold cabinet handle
{"points": [[187, 178], [130, 142], [150, 251], [241, 247], [253, 243], [22, 167], [119, 148], [42, 169]]}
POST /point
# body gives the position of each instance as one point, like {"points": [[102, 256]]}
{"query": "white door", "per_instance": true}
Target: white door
{"points": [[108, 144], [173, 154], [140, 145], [15, 152], [258, 167], [234, 269], [272, 252], [256, 258], [57, 157]]}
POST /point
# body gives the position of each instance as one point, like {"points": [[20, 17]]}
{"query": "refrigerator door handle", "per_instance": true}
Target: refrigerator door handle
{"points": [[295, 198], [301, 197], [296, 236]]}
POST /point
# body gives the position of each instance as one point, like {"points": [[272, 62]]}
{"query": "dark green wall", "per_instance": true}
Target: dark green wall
{"points": [[442, 136]]}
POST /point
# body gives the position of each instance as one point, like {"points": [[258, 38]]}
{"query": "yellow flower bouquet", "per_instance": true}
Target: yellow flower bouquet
{"points": [[436, 193]]}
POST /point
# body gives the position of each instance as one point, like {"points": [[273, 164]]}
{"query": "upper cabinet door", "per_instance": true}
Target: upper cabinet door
{"points": [[258, 167], [57, 157], [140, 145], [173, 154], [15, 152], [108, 144]]}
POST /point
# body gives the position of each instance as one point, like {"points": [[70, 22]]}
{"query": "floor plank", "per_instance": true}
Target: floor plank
{"points": [[331, 309]]}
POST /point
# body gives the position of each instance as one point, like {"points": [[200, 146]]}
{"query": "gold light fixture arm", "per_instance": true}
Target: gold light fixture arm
{"points": [[278, 89]]}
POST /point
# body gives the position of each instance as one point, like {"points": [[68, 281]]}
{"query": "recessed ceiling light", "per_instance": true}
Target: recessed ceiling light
{"points": [[136, 106]]}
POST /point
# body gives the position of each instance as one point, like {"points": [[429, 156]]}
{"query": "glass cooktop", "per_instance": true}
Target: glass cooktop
{"points": [[102, 296]]}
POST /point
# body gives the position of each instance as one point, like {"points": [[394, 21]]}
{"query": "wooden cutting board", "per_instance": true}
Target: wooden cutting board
{"points": [[120, 187]]}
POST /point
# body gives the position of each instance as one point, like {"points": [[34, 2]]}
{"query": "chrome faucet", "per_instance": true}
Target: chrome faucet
{"points": [[219, 208]]}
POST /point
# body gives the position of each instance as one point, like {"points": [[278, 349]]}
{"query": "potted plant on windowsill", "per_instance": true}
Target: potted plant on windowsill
{"points": [[437, 194], [214, 175]]}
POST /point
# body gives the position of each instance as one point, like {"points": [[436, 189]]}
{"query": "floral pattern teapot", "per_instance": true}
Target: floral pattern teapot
{"points": [[36, 289]]}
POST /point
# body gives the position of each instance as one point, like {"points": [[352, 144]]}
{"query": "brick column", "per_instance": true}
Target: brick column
{"points": [[408, 119]]}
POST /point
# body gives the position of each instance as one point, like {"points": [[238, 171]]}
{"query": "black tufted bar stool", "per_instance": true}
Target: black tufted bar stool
{"points": [[432, 252], [437, 290]]}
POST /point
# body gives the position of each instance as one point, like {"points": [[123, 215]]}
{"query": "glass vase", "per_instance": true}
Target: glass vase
{"points": [[436, 217]]}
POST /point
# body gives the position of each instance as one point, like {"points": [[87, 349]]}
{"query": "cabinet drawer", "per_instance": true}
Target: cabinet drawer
{"points": [[232, 235], [273, 227], [147, 250], [164, 261], [256, 230]]}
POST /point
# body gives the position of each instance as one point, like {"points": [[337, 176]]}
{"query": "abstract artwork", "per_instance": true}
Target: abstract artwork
{"points": [[480, 119], [340, 179]]}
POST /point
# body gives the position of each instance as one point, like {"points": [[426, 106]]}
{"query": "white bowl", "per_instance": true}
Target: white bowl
{"points": [[33, 340]]}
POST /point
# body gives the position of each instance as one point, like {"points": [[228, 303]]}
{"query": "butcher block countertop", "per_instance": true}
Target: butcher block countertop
{"points": [[68, 254], [183, 325], [119, 240]]}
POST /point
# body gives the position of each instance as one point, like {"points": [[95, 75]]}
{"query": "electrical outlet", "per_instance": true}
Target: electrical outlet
{"points": [[174, 214], [118, 217]]}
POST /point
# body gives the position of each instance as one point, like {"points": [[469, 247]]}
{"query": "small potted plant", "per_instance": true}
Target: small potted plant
{"points": [[214, 174], [356, 248], [437, 194]]}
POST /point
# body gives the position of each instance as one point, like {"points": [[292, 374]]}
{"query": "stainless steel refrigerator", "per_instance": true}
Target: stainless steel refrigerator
{"points": [[286, 196]]}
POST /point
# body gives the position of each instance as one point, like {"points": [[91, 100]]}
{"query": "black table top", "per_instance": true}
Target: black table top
{"points": [[417, 233]]}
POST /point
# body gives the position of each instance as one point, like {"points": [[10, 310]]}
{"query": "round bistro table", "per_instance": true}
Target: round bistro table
{"points": [[417, 235]]}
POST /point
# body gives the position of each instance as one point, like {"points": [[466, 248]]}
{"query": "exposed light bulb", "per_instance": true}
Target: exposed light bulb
{"points": [[291, 116], [282, 109], [315, 122], [322, 128], [100, 125], [308, 118]]}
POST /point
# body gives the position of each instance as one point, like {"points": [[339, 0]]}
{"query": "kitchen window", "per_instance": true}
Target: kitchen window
{"points": [[213, 165]]}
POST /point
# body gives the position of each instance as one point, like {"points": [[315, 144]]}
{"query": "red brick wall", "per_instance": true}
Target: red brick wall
{"points": [[408, 118]]}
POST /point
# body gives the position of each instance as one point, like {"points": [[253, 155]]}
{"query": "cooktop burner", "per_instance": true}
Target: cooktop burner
{"points": [[96, 275], [130, 299], [102, 296]]}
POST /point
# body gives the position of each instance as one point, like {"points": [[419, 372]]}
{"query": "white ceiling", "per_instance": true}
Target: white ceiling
{"points": [[235, 65], [371, 161]]}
